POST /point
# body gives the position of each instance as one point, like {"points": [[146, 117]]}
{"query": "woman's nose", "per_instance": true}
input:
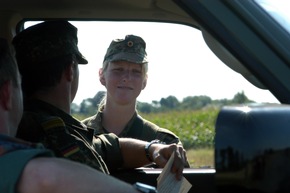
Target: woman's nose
{"points": [[126, 75]]}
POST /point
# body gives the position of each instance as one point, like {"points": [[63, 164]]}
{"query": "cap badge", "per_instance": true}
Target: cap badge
{"points": [[130, 43]]}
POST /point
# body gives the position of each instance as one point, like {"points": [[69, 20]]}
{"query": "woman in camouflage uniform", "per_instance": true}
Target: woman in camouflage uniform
{"points": [[124, 74]]}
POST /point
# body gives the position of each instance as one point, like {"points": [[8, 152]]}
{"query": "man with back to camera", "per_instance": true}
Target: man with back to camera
{"points": [[29, 168], [48, 58]]}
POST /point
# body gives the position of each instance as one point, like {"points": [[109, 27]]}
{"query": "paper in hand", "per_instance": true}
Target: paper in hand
{"points": [[167, 182]]}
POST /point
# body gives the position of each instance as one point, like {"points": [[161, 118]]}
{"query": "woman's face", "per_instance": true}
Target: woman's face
{"points": [[124, 81]]}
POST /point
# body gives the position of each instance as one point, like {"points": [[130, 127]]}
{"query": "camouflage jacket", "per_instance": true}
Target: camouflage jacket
{"points": [[137, 128], [68, 137]]}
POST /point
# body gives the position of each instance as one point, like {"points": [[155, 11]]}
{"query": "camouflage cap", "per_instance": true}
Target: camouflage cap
{"points": [[47, 40], [131, 49]]}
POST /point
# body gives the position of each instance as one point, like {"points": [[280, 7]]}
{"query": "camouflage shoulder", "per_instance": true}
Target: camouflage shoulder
{"points": [[87, 120], [46, 121], [33, 124], [51, 122], [163, 134]]}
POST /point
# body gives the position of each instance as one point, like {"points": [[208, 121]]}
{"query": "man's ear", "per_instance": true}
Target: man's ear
{"points": [[69, 72], [6, 95], [144, 82], [102, 77]]}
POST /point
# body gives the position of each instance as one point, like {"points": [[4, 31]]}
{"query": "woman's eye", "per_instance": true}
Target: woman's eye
{"points": [[137, 71], [118, 69]]}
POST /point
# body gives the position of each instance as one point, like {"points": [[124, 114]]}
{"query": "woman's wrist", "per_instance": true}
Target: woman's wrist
{"points": [[147, 148]]}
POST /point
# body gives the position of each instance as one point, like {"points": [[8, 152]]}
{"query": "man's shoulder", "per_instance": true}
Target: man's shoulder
{"points": [[33, 125], [28, 127], [10, 145], [12, 162]]}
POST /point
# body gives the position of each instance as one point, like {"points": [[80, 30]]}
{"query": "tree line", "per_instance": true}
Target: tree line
{"points": [[89, 106]]}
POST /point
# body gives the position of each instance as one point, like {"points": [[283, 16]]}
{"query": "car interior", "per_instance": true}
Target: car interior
{"points": [[251, 146]]}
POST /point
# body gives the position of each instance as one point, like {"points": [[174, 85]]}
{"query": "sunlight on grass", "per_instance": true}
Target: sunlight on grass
{"points": [[201, 158]]}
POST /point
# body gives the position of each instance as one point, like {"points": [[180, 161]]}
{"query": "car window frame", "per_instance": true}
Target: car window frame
{"points": [[268, 49]]}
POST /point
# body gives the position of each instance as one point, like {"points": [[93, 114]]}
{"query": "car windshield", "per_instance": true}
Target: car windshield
{"points": [[279, 10]]}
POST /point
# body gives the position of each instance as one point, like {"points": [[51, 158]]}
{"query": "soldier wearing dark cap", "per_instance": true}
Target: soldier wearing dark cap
{"points": [[30, 168], [48, 59], [124, 74]]}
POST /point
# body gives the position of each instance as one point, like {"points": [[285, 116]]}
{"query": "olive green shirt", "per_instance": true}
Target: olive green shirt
{"points": [[137, 128]]}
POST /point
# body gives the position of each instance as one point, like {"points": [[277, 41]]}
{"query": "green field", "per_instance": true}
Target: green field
{"points": [[201, 157], [196, 131], [195, 128]]}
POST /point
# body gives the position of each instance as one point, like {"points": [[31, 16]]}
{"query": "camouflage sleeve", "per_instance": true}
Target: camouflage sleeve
{"points": [[107, 145], [167, 136]]}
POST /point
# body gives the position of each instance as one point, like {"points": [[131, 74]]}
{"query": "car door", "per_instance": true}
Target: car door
{"points": [[250, 41]]}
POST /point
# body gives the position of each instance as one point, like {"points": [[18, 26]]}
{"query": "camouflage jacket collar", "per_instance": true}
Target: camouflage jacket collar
{"points": [[45, 108]]}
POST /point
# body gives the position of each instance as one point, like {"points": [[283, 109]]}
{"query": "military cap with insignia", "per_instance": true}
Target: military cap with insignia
{"points": [[46, 41], [131, 49]]}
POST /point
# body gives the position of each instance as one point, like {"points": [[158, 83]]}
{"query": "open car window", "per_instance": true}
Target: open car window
{"points": [[181, 66]]}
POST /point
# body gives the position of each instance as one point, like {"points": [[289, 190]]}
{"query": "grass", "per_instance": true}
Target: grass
{"points": [[195, 128], [201, 158]]}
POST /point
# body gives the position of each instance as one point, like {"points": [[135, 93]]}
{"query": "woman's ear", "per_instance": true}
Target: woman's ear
{"points": [[6, 94], [102, 77]]}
